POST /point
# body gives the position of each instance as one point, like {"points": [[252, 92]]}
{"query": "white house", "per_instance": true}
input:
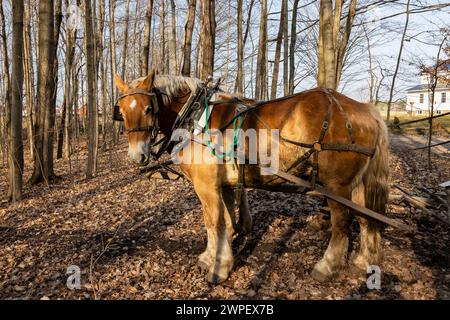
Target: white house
{"points": [[418, 98]]}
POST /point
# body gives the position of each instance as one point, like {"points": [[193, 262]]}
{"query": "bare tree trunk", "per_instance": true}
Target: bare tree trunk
{"points": [[247, 28], [371, 73], [337, 20], [125, 38], [379, 84], [63, 131], [208, 39], [342, 48], [276, 64], [292, 47], [162, 37], [240, 50], [76, 118], [320, 51], [433, 96], [187, 47], [29, 75], [16, 146], [45, 91], [399, 58], [147, 32], [328, 65], [70, 98], [198, 57], [166, 37], [262, 50], [7, 82], [174, 39], [286, 52], [101, 68], [91, 106], [104, 102], [113, 65], [52, 115], [135, 49], [7, 79]]}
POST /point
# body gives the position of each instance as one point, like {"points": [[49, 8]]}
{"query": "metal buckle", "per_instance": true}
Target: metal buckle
{"points": [[317, 146]]}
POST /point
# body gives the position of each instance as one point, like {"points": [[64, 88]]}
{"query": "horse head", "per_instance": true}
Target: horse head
{"points": [[137, 107]]}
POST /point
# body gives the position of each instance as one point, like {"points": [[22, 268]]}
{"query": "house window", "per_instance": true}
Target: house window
{"points": [[443, 97], [419, 111], [421, 98]]}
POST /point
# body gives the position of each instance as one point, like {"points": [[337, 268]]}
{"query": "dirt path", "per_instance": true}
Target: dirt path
{"points": [[135, 239], [405, 142]]}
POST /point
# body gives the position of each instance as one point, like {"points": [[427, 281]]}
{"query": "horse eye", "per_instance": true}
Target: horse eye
{"points": [[147, 110]]}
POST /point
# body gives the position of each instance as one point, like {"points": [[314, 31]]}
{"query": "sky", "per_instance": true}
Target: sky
{"points": [[385, 41], [385, 38], [422, 37]]}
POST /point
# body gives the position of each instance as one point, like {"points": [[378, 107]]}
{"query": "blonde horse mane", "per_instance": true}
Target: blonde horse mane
{"points": [[171, 85]]}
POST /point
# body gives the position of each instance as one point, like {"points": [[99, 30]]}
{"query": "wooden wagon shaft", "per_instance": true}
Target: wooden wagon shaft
{"points": [[284, 188], [433, 145], [346, 202], [300, 187], [418, 120]]}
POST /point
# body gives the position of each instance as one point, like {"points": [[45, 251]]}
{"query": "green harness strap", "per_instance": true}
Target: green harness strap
{"points": [[236, 129]]}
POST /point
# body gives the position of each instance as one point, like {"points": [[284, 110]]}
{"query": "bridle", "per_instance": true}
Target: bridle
{"points": [[156, 102]]}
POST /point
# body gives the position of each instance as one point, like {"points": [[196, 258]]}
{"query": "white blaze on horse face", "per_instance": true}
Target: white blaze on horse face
{"points": [[133, 104]]}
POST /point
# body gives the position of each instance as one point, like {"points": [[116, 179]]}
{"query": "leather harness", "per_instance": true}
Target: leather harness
{"points": [[206, 93], [155, 102]]}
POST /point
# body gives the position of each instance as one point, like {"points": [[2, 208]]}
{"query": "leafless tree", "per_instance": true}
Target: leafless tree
{"points": [[91, 106], [16, 144]]}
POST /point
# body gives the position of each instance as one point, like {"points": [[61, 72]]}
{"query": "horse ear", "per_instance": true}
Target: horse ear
{"points": [[147, 83], [120, 84]]}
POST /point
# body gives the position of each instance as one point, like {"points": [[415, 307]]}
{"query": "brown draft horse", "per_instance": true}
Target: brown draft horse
{"points": [[355, 176]]}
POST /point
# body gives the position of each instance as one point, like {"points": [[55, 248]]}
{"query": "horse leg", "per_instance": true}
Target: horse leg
{"points": [[245, 221], [336, 253], [228, 197], [218, 256], [370, 238]]}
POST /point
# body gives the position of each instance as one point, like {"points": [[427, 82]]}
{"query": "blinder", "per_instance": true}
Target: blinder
{"points": [[117, 116], [155, 100]]}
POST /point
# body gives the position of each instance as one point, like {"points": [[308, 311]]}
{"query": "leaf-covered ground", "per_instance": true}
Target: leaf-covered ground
{"points": [[139, 239]]}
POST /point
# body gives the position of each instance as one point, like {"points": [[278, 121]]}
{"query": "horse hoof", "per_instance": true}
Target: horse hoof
{"points": [[203, 265], [322, 272], [359, 265], [215, 278], [241, 232], [357, 271], [204, 261], [245, 230]]}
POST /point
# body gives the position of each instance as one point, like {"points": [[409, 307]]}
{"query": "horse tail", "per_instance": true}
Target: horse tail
{"points": [[376, 177]]}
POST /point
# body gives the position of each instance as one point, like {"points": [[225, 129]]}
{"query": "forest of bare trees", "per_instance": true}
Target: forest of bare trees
{"points": [[99, 200], [58, 59]]}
